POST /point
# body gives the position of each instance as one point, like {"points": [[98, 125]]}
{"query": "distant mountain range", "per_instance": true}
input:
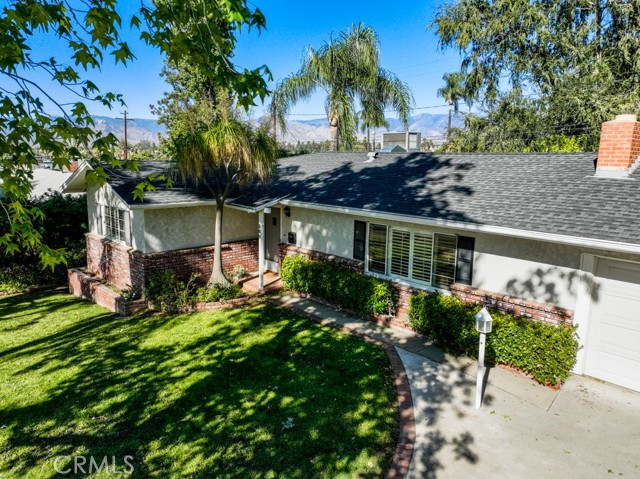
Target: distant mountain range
{"points": [[431, 126], [138, 130]]}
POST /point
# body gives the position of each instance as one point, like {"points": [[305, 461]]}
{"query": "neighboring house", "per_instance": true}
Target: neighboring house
{"points": [[555, 237], [46, 179]]}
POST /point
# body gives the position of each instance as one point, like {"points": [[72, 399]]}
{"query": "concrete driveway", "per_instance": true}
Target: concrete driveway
{"points": [[523, 430]]}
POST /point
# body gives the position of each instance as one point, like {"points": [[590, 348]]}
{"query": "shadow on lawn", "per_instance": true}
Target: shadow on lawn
{"points": [[260, 393]]}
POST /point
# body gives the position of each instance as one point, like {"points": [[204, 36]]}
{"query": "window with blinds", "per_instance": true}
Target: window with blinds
{"points": [[377, 257], [114, 223], [400, 252], [422, 256], [415, 255]]}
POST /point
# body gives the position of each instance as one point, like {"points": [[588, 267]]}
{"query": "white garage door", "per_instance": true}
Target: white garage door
{"points": [[613, 343]]}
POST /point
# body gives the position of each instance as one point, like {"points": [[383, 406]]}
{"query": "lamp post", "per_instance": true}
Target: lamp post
{"points": [[483, 326]]}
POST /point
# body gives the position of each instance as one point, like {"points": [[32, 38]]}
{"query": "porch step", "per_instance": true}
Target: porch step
{"points": [[272, 282]]}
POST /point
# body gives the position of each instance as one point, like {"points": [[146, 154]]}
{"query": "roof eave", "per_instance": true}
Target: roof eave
{"points": [[598, 244]]}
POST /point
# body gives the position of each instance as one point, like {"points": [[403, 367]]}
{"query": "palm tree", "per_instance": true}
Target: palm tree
{"points": [[345, 69], [227, 155], [452, 92], [386, 91]]}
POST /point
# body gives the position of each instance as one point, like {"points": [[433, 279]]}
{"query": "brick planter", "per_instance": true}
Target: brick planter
{"points": [[85, 286]]}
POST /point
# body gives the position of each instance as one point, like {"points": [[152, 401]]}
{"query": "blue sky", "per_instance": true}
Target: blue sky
{"points": [[408, 49]]}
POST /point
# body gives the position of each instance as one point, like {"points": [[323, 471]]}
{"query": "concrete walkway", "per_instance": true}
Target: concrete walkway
{"points": [[523, 430]]}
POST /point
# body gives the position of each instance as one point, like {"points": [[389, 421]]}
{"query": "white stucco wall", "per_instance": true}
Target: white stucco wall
{"points": [[528, 269], [97, 196], [167, 229]]}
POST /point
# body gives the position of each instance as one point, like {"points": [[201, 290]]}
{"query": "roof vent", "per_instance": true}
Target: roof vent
{"points": [[372, 155]]}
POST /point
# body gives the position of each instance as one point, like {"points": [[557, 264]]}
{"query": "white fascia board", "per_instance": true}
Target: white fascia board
{"points": [[77, 176], [148, 206], [249, 209], [496, 230]]}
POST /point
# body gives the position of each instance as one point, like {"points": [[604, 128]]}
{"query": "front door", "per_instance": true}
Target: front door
{"points": [[272, 240]]}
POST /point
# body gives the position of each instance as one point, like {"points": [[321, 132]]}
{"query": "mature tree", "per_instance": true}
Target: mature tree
{"points": [[226, 155], [578, 59], [452, 92], [89, 32], [346, 68], [513, 123]]}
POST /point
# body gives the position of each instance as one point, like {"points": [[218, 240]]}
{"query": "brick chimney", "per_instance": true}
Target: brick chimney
{"points": [[73, 166], [619, 146]]}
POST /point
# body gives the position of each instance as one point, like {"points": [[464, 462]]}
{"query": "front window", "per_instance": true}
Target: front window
{"points": [[415, 255], [114, 223]]}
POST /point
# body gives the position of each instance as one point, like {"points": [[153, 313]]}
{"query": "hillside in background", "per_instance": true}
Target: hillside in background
{"points": [[431, 126], [137, 129]]}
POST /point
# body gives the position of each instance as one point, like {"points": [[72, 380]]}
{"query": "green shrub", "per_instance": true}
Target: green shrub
{"points": [[169, 293], [364, 295], [63, 225], [545, 351], [217, 293]]}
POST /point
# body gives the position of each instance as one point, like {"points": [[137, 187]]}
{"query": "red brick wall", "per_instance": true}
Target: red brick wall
{"points": [[515, 306], [109, 260], [619, 143], [184, 262], [121, 266], [291, 250]]}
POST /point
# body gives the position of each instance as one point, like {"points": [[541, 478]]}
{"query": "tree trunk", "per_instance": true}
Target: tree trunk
{"points": [[374, 139], [217, 275], [449, 125], [369, 140], [333, 127]]}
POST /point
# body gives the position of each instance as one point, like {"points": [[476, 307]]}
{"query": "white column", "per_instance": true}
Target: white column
{"points": [[261, 248]]}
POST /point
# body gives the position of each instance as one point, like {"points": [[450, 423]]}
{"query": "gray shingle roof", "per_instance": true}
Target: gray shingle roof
{"points": [[124, 181], [548, 193]]}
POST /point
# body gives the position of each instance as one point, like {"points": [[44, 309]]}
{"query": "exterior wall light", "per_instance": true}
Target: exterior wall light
{"points": [[287, 211], [484, 323]]}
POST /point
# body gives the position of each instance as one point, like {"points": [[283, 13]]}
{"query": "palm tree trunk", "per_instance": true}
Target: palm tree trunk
{"points": [[374, 138], [333, 128], [369, 140], [217, 275], [449, 125]]}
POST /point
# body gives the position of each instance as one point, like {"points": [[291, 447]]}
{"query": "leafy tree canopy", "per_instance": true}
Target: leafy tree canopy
{"points": [[346, 68], [575, 62], [89, 33]]}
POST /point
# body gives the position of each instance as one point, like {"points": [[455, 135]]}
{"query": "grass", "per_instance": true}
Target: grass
{"points": [[256, 392]]}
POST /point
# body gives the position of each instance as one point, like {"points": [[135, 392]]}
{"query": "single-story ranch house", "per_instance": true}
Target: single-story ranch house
{"points": [[555, 237]]}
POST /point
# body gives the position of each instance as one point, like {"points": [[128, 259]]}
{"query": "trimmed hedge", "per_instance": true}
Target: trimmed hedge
{"points": [[544, 351], [364, 295]]}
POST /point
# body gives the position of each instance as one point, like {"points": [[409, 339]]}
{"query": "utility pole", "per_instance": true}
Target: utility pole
{"points": [[126, 151]]}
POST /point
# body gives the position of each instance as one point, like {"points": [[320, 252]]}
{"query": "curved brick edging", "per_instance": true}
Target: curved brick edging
{"points": [[407, 434]]}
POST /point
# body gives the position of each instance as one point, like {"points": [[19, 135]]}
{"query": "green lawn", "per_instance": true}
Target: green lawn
{"points": [[247, 393]]}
